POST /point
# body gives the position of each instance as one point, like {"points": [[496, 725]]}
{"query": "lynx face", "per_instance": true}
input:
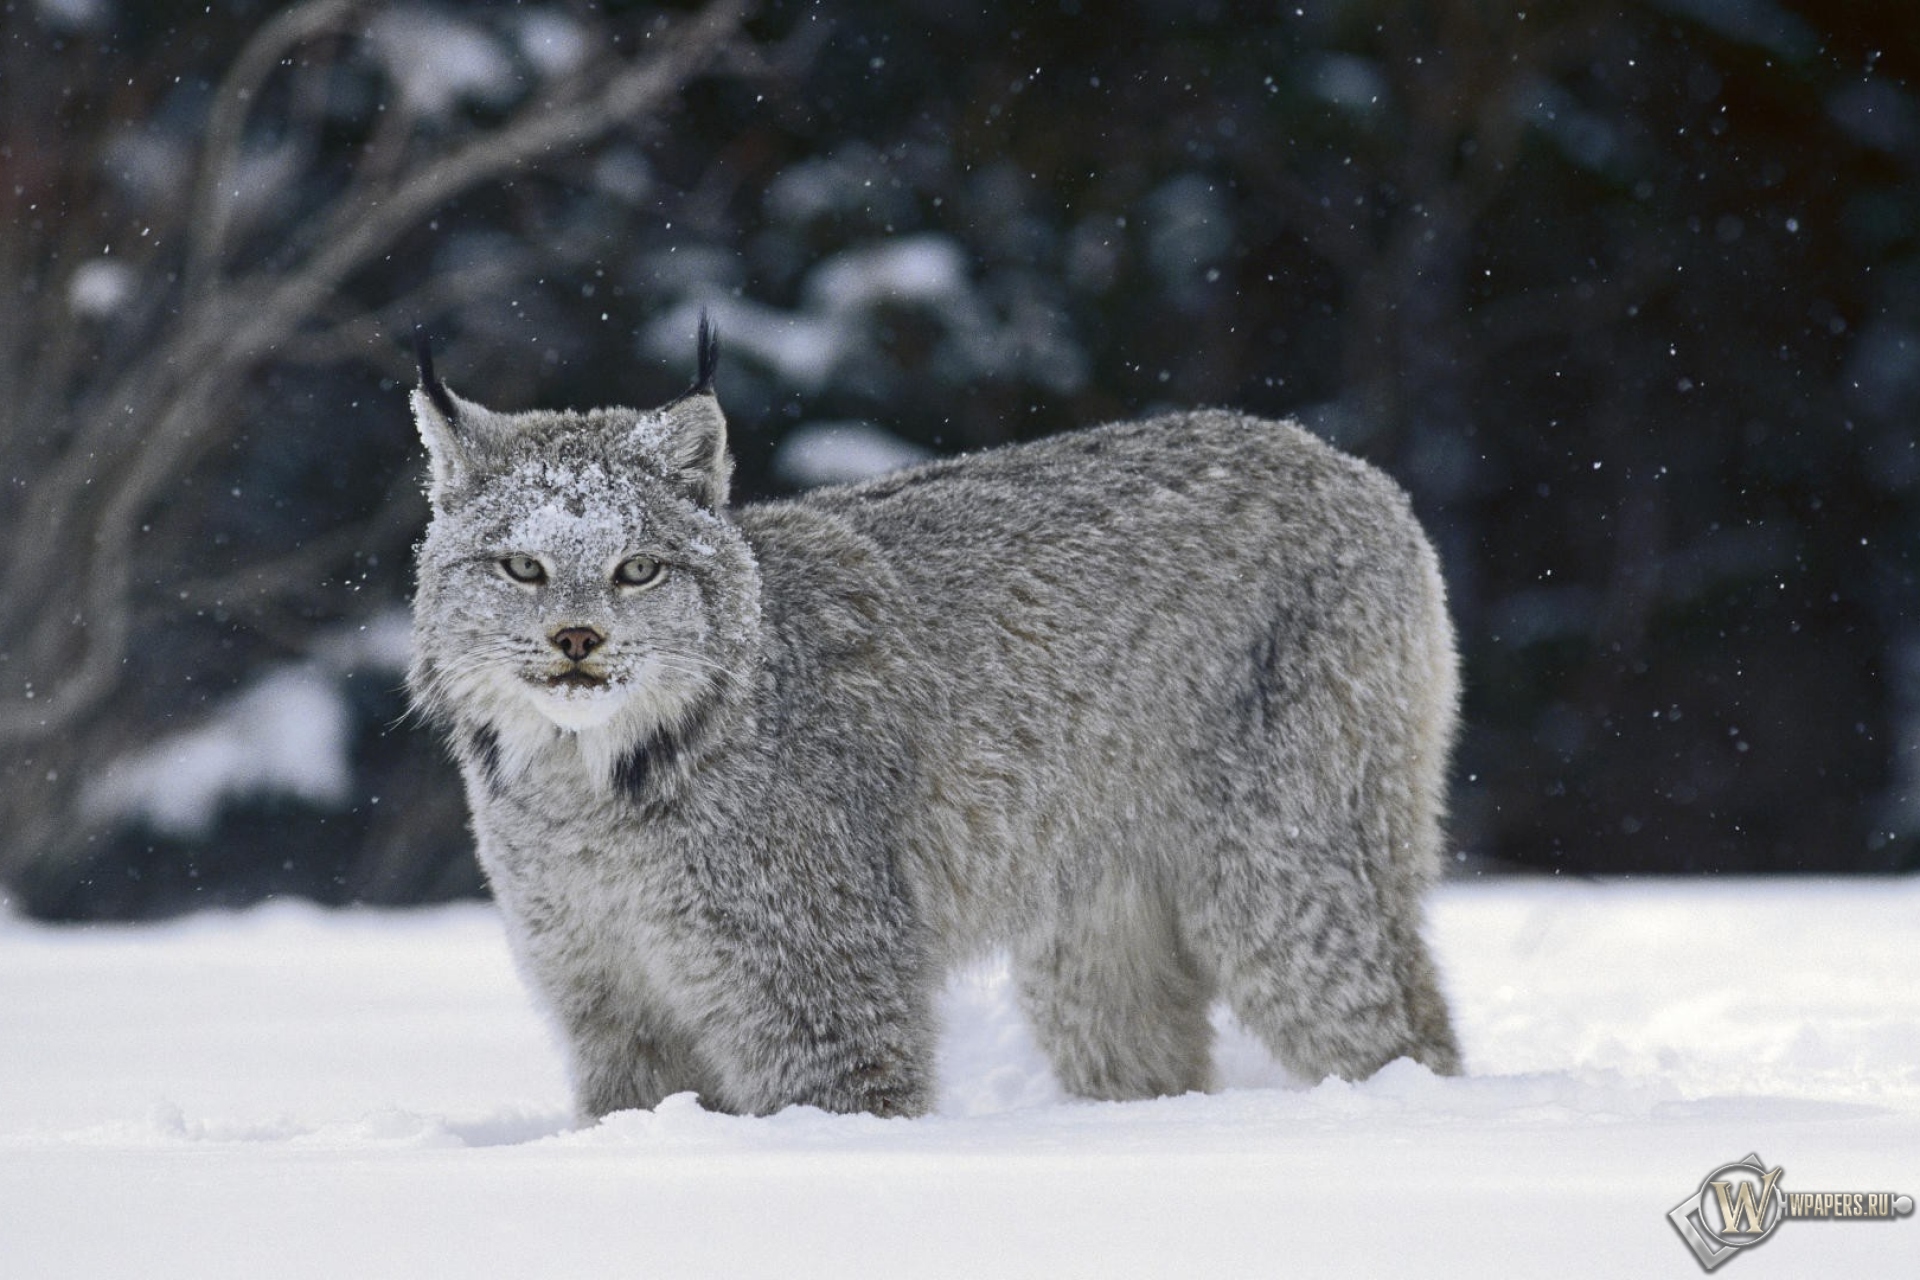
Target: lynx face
{"points": [[580, 604], [577, 576]]}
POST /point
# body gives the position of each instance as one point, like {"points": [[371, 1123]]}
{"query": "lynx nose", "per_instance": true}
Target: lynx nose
{"points": [[577, 642]]}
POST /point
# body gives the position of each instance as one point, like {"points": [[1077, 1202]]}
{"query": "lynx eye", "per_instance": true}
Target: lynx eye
{"points": [[638, 571], [524, 568]]}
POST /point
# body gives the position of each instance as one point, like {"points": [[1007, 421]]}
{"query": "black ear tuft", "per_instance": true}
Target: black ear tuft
{"points": [[708, 343], [436, 392]]}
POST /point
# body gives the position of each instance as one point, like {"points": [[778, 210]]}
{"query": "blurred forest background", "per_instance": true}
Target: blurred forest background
{"points": [[1626, 294]]}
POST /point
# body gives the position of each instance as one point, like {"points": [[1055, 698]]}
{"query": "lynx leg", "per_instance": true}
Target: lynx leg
{"points": [[1117, 999], [1433, 1038], [838, 1055], [886, 1080], [617, 1064], [1313, 965], [838, 1034]]}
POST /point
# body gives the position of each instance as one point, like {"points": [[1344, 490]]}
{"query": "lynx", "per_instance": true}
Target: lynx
{"points": [[1162, 709]]}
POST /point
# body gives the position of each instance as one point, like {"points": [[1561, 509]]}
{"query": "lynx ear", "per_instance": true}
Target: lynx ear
{"points": [[455, 431], [695, 440], [438, 417], [693, 448]]}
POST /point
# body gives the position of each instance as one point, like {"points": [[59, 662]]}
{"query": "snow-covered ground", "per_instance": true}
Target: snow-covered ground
{"points": [[291, 1093]]}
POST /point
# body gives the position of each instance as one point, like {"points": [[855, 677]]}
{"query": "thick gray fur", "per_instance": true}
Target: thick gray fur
{"points": [[1162, 707]]}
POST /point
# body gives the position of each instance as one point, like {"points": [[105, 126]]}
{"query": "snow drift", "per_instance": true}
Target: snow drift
{"points": [[297, 1093]]}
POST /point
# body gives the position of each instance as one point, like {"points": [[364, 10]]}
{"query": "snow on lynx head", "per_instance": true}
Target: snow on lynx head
{"points": [[579, 577]]}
